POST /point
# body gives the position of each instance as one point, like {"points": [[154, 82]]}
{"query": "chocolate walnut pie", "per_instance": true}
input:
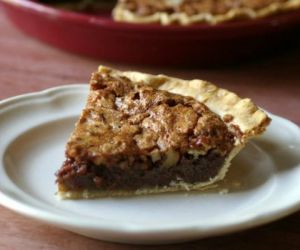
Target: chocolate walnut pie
{"points": [[142, 134]]}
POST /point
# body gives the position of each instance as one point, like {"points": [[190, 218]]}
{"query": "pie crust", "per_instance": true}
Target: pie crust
{"points": [[241, 116], [124, 13]]}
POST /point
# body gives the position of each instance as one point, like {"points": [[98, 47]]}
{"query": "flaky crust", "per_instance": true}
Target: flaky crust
{"points": [[240, 115], [121, 13]]}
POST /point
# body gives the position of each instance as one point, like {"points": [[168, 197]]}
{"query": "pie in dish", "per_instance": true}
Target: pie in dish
{"points": [[143, 134], [187, 12]]}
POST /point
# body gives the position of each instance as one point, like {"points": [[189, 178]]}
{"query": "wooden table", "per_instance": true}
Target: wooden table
{"points": [[27, 65]]}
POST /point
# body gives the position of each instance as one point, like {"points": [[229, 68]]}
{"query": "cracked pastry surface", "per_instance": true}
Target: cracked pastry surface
{"points": [[145, 134], [198, 11]]}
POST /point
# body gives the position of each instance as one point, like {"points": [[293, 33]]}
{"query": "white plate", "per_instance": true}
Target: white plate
{"points": [[263, 182]]}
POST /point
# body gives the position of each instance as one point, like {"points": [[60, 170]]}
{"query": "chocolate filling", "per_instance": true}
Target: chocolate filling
{"points": [[79, 176]]}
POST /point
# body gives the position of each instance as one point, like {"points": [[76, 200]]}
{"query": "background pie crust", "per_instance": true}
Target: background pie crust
{"points": [[122, 13]]}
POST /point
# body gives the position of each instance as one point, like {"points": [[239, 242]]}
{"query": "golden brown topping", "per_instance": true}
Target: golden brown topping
{"points": [[123, 119]]}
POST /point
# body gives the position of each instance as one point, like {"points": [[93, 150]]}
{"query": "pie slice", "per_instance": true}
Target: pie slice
{"points": [[142, 134], [187, 12]]}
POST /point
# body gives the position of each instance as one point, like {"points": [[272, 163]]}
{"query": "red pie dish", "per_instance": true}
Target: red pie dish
{"points": [[98, 36]]}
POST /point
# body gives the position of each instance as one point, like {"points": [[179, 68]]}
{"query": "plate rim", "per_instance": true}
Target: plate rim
{"points": [[196, 230]]}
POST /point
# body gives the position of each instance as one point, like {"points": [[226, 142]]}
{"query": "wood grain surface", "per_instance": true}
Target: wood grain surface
{"points": [[27, 65]]}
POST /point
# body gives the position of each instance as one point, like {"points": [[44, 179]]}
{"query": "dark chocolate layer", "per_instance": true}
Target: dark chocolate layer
{"points": [[79, 176]]}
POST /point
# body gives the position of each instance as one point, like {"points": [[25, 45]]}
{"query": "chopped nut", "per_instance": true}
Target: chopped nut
{"points": [[155, 155], [172, 157]]}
